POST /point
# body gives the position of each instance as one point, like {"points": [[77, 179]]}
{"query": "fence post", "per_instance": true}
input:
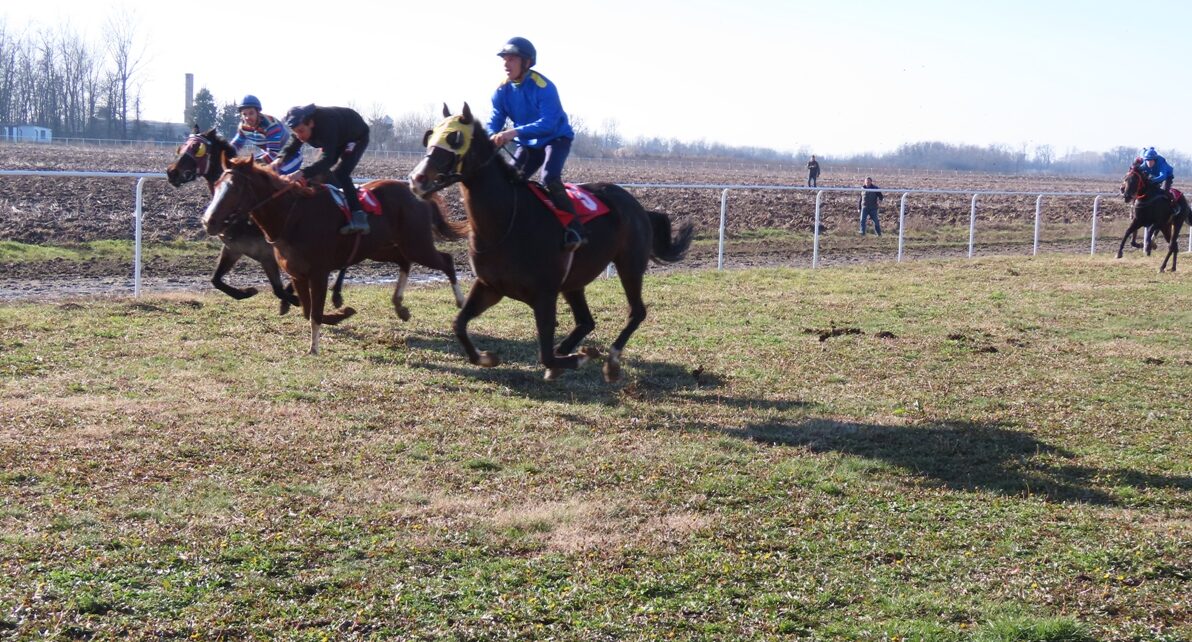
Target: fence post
{"points": [[972, 225], [1093, 242], [901, 223], [819, 197], [136, 260], [1038, 211], [723, 224]]}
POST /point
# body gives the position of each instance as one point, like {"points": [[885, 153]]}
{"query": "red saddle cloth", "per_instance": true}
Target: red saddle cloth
{"points": [[1176, 195], [587, 206], [368, 201]]}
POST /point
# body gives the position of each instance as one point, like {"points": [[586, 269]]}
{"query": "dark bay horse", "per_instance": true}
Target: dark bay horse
{"points": [[515, 247], [205, 155], [1156, 211], [302, 224]]}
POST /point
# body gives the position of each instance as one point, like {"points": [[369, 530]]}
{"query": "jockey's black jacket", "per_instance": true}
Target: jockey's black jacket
{"points": [[332, 130]]}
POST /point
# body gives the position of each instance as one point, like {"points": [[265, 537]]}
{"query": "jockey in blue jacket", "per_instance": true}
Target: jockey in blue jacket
{"points": [[1156, 169], [265, 132], [540, 128]]}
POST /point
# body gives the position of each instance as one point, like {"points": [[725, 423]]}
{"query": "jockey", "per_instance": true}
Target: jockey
{"points": [[1157, 170], [540, 128], [342, 135], [262, 130]]}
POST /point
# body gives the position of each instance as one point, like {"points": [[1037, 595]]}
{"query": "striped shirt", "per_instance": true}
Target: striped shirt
{"points": [[266, 137]]}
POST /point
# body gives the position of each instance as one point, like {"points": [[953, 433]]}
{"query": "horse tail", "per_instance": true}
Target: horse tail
{"points": [[448, 230], [667, 249]]}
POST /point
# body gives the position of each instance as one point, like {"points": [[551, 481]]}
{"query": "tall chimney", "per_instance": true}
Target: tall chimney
{"points": [[190, 99]]}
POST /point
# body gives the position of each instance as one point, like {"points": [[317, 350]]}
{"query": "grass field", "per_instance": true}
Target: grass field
{"points": [[996, 449]]}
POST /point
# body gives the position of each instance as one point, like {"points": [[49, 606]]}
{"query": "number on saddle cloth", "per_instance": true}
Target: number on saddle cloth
{"points": [[368, 202], [587, 206]]}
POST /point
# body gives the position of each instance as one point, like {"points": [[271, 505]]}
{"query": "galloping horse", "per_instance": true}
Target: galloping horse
{"points": [[515, 247], [204, 155], [303, 225], [1158, 211]]}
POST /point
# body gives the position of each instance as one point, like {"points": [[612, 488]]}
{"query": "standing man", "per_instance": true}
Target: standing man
{"points": [[868, 204], [342, 136], [261, 130], [540, 128], [813, 171]]}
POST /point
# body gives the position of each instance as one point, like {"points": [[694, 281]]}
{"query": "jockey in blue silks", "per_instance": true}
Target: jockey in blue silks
{"points": [[1157, 170], [540, 128]]}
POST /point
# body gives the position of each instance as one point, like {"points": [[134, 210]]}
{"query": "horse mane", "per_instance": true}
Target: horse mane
{"points": [[505, 165], [267, 173]]}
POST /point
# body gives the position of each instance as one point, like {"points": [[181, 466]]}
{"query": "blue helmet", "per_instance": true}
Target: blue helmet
{"points": [[520, 47], [1150, 154], [298, 115], [250, 101]]}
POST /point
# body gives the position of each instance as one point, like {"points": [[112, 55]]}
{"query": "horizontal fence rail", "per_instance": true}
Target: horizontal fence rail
{"points": [[724, 190]]}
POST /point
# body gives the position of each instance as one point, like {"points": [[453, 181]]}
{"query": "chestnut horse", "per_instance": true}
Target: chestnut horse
{"points": [[303, 225], [1157, 210], [515, 247], [204, 155]]}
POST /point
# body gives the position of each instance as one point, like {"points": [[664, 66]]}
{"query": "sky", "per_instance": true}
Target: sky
{"points": [[833, 77]]}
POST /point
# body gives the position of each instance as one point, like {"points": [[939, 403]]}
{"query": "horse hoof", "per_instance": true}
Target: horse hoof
{"points": [[590, 352], [348, 312], [403, 313], [337, 300], [488, 360], [283, 309], [552, 374], [612, 372]]}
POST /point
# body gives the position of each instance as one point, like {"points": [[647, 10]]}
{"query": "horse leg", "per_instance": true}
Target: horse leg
{"points": [[631, 282], [1173, 250], [227, 260], [480, 298], [584, 323], [425, 254], [284, 294], [337, 297], [544, 318], [1134, 225], [399, 292], [318, 294]]}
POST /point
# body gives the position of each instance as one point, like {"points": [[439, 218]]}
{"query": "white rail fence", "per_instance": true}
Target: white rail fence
{"points": [[1096, 197]]}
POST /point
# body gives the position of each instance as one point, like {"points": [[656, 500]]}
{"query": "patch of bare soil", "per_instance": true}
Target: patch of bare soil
{"points": [[42, 210]]}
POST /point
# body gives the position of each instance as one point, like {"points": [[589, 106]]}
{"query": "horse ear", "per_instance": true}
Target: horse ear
{"points": [[195, 129], [446, 111], [455, 139], [426, 138], [466, 116]]}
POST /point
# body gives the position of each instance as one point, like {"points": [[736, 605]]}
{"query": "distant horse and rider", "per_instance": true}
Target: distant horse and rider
{"points": [[514, 246], [205, 154], [1154, 208], [302, 225]]}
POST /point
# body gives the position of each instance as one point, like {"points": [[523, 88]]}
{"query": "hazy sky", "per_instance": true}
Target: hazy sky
{"points": [[833, 77]]}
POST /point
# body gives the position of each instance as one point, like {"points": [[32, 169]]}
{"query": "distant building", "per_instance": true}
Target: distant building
{"points": [[26, 133]]}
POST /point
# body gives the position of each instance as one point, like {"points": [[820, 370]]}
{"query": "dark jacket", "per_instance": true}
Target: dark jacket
{"points": [[334, 128], [813, 169], [869, 200]]}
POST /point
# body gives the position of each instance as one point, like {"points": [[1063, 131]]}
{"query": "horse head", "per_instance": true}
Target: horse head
{"points": [[195, 156], [1134, 185], [241, 188], [451, 147]]}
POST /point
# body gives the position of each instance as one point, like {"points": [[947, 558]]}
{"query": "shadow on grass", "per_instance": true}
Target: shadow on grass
{"points": [[968, 456]]}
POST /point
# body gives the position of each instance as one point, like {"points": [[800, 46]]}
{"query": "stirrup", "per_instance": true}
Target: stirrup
{"points": [[358, 224]]}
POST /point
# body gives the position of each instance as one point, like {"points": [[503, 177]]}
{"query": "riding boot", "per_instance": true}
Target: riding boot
{"points": [[359, 224], [574, 237]]}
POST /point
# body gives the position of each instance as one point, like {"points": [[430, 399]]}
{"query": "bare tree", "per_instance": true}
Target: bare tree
{"points": [[128, 56]]}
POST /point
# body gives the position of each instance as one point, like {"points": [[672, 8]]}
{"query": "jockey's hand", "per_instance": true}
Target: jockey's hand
{"points": [[501, 138], [296, 178]]}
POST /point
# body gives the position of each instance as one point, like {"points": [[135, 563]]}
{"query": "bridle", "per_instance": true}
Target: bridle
{"points": [[1143, 181], [198, 150], [235, 216]]}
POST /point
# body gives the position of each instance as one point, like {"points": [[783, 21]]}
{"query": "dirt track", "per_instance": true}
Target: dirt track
{"points": [[40, 210]]}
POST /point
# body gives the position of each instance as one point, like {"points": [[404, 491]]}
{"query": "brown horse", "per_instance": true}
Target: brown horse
{"points": [[205, 155], [1154, 210], [303, 225], [515, 245]]}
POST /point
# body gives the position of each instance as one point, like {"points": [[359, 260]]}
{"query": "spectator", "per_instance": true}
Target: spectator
{"points": [[812, 171], [867, 205]]}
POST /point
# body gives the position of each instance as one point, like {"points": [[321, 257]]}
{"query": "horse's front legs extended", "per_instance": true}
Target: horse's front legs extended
{"points": [[480, 298], [227, 260]]}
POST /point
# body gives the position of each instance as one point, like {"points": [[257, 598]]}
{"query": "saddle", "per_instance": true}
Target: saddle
{"points": [[587, 206], [368, 202]]}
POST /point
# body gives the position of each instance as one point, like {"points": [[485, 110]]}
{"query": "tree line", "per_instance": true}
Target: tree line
{"points": [[56, 78]]}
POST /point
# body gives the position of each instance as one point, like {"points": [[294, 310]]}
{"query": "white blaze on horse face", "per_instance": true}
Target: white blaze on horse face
{"points": [[216, 199]]}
